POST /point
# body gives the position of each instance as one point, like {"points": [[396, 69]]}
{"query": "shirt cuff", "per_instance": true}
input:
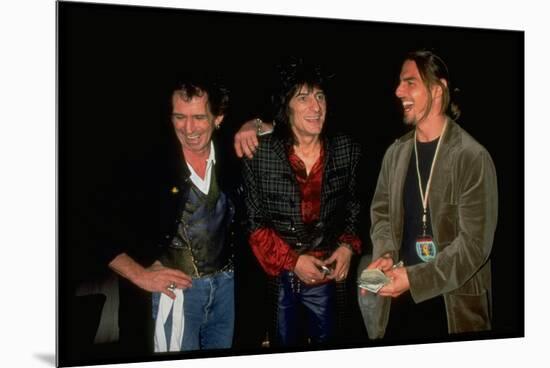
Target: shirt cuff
{"points": [[351, 241]]}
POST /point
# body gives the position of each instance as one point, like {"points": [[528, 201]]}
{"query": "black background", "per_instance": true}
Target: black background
{"points": [[116, 65]]}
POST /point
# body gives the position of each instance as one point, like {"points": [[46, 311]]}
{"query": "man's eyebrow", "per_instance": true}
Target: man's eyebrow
{"points": [[308, 92]]}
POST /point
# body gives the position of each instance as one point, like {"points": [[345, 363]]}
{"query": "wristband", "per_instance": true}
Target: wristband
{"points": [[258, 123], [259, 129]]}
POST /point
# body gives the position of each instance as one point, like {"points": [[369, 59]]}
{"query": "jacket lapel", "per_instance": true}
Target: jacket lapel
{"points": [[440, 191], [397, 184], [329, 167], [279, 149], [291, 196]]}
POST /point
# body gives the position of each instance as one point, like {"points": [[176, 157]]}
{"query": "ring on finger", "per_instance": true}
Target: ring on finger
{"points": [[172, 286]]}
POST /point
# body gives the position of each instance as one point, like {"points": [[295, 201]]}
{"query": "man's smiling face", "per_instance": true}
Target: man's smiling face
{"points": [[193, 122], [307, 111], [413, 94]]}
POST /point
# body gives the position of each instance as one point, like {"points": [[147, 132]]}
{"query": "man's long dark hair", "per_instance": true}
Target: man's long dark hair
{"points": [[433, 69], [292, 75]]}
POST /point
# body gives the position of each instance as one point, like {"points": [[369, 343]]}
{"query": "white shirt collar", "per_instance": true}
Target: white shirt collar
{"points": [[204, 184], [212, 156]]}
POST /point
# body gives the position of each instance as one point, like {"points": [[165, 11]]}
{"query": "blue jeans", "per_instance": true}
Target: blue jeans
{"points": [[209, 313], [318, 304]]}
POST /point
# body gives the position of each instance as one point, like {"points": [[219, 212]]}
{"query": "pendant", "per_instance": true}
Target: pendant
{"points": [[425, 248]]}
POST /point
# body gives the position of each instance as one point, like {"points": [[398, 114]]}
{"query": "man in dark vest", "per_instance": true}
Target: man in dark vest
{"points": [[177, 257]]}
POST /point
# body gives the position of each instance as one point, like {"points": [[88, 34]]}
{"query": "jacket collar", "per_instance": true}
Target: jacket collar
{"points": [[442, 170], [184, 174], [280, 150], [329, 167], [451, 138]]}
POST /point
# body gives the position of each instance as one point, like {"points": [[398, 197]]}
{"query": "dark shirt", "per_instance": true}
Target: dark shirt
{"points": [[408, 320], [412, 202]]}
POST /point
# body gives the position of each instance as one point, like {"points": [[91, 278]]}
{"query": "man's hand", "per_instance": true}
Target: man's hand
{"points": [[158, 278], [341, 259], [399, 283], [307, 269], [384, 264], [153, 278], [246, 140]]}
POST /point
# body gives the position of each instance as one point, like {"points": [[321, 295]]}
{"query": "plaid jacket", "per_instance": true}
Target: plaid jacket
{"points": [[272, 194]]}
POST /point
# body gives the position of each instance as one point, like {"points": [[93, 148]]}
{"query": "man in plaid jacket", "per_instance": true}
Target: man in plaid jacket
{"points": [[302, 207]]}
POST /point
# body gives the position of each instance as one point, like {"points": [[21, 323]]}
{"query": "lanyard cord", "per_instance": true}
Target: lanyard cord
{"points": [[423, 196]]}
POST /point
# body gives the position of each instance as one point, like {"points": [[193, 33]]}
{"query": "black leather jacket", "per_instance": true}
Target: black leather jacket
{"points": [[147, 205]]}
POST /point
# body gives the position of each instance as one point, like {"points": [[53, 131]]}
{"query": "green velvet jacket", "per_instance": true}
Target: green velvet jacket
{"points": [[463, 205]]}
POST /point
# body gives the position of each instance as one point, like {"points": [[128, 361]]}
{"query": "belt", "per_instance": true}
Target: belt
{"points": [[227, 268], [296, 284]]}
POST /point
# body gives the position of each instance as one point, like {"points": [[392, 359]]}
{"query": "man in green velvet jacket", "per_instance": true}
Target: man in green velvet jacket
{"points": [[435, 208]]}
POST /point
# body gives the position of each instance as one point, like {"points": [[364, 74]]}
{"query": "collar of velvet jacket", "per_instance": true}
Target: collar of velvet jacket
{"points": [[442, 171], [450, 138]]}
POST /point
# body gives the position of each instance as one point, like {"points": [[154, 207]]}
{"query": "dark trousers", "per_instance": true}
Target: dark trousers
{"points": [[304, 313], [416, 322]]}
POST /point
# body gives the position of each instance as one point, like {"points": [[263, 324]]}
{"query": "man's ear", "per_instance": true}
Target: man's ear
{"points": [[437, 90]]}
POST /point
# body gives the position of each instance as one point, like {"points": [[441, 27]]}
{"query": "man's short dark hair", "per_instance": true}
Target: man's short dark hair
{"points": [[197, 85]]}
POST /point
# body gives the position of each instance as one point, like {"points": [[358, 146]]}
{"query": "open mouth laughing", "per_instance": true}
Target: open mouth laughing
{"points": [[407, 106]]}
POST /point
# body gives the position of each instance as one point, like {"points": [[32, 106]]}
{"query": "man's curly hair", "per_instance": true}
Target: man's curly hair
{"points": [[292, 75]]}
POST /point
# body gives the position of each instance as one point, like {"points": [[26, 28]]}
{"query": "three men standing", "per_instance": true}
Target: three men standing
{"points": [[434, 208]]}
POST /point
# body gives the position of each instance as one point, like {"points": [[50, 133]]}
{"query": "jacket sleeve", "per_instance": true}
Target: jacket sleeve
{"points": [[272, 252], [112, 229], [127, 220], [476, 213], [353, 204], [381, 235], [256, 216]]}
